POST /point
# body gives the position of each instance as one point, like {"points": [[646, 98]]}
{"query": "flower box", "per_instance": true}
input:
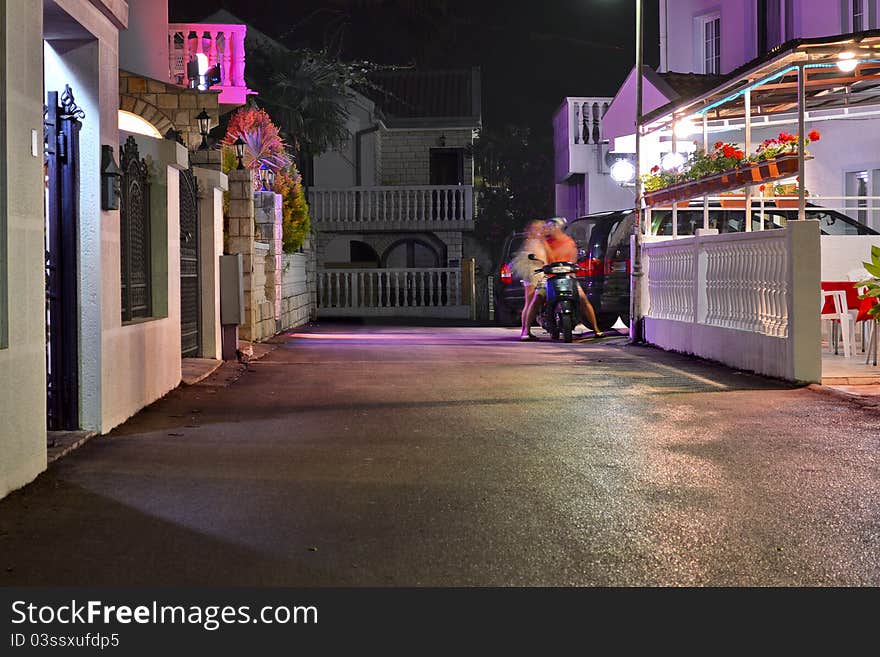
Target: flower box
{"points": [[779, 167]]}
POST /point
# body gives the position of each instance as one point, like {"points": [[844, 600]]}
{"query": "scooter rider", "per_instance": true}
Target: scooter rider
{"points": [[562, 248]]}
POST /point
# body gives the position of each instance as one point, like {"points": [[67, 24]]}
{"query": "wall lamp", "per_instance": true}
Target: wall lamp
{"points": [[204, 125], [111, 179], [239, 145]]}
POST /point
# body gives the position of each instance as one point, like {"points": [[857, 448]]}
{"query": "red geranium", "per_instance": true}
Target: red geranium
{"points": [[814, 135]]}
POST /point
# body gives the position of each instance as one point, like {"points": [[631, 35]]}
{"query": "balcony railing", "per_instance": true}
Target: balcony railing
{"points": [[435, 292], [577, 125], [393, 208], [222, 44]]}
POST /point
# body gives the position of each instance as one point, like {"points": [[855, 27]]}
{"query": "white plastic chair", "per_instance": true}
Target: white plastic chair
{"points": [[840, 316], [856, 275]]}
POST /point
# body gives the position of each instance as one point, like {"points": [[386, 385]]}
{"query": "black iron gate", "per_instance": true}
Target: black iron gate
{"points": [[134, 228], [190, 299], [61, 152]]}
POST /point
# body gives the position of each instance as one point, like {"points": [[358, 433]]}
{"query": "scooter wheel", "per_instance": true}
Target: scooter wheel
{"points": [[566, 328]]}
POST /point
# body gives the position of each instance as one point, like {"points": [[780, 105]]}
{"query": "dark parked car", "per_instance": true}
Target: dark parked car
{"points": [[509, 293], [604, 269]]}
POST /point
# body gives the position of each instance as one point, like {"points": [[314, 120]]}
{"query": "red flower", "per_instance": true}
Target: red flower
{"points": [[718, 144], [814, 135], [655, 169], [761, 188]]}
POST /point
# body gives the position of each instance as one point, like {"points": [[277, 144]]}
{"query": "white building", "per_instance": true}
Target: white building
{"points": [[90, 300], [391, 207], [702, 42]]}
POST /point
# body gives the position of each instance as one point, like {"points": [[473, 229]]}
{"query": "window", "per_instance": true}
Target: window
{"points": [[770, 22], [858, 15], [134, 227], [709, 38], [411, 254]]}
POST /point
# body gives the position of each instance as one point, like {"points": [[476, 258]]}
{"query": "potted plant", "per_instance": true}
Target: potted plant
{"points": [[786, 195], [778, 156], [870, 294]]}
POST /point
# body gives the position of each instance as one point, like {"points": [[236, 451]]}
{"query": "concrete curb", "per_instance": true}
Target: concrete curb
{"points": [[56, 452], [861, 400]]}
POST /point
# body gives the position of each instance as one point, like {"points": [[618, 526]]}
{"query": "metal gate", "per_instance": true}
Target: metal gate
{"points": [[190, 299], [134, 229], [61, 152]]}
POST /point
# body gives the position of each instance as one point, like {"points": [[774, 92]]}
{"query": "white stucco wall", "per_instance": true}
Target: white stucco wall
{"points": [[337, 167], [143, 47], [141, 360], [23, 349], [739, 44]]}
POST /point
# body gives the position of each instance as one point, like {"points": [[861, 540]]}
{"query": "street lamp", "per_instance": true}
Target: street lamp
{"points": [[635, 332], [204, 124], [239, 145]]}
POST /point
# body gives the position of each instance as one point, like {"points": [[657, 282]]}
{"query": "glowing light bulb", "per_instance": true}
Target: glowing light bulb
{"points": [[623, 171], [847, 62], [684, 129], [672, 161]]}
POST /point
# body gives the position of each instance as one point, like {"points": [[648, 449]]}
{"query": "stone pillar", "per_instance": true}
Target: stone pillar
{"points": [[206, 159], [212, 184], [310, 248], [268, 216], [240, 239]]}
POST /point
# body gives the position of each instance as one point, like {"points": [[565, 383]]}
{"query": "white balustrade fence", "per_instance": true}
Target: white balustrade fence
{"points": [[734, 298], [221, 43], [438, 207], [391, 292]]}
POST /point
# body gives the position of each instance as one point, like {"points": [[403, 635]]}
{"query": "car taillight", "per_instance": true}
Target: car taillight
{"points": [[506, 276], [609, 267], [589, 267]]}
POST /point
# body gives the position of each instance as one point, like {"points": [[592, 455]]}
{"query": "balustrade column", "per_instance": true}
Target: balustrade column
{"points": [[227, 59], [212, 55]]}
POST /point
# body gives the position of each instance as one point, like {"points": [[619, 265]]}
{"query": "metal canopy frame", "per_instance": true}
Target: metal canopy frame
{"points": [[801, 76]]}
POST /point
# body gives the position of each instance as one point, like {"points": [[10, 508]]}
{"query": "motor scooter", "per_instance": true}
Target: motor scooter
{"points": [[560, 313]]}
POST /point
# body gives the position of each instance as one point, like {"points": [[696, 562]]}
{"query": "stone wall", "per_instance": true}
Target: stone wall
{"points": [[240, 239], [405, 155], [279, 289], [296, 297], [168, 106]]}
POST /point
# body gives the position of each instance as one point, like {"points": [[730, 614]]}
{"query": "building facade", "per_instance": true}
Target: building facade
{"points": [[704, 41], [390, 208], [95, 250]]}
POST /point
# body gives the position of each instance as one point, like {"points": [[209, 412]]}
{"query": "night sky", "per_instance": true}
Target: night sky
{"points": [[531, 53]]}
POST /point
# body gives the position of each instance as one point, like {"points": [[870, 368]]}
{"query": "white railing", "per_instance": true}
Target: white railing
{"points": [[222, 44], [409, 292], [357, 208], [750, 300], [585, 116], [734, 281]]}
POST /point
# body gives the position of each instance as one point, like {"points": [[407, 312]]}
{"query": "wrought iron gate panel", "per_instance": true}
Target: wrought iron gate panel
{"points": [[190, 298], [61, 158], [134, 219]]}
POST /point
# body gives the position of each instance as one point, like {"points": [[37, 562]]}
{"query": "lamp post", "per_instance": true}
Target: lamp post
{"points": [[204, 125], [635, 308], [239, 145]]}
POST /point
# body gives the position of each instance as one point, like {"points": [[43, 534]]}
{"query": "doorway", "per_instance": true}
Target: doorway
{"points": [[61, 165]]}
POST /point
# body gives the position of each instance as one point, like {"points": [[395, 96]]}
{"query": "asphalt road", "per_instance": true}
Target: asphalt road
{"points": [[436, 456]]}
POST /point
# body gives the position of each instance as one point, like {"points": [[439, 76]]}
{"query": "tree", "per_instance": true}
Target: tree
{"points": [[306, 92], [514, 183]]}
